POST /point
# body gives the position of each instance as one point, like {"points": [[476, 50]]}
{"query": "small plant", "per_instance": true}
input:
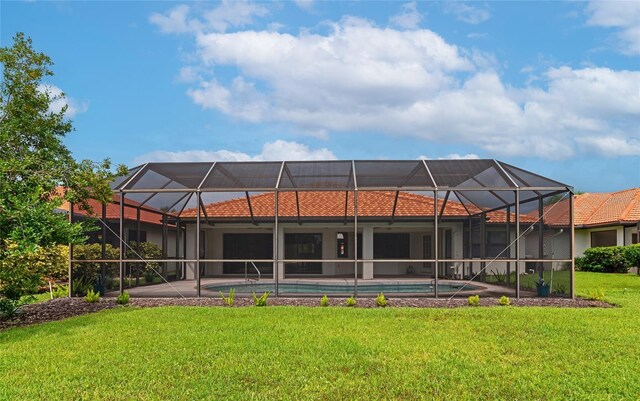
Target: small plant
{"points": [[149, 275], [474, 300], [504, 301], [596, 294], [10, 307], [324, 301], [351, 301], [92, 297], [231, 299], [262, 300], [81, 286], [499, 277], [560, 288], [381, 301], [123, 298], [60, 291]]}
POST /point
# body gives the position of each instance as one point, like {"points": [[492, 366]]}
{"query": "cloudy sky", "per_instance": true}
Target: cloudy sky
{"points": [[553, 87]]}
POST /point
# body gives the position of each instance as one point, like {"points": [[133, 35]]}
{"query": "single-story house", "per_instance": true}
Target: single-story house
{"points": [[607, 219]]}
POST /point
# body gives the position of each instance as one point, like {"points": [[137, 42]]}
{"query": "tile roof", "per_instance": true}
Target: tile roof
{"points": [[332, 204], [147, 214], [597, 209]]}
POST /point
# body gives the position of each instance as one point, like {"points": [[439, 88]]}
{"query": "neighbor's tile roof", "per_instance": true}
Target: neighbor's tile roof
{"points": [[332, 204], [595, 209], [147, 214]]}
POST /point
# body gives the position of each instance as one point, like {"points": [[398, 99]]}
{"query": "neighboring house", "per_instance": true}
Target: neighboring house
{"points": [[141, 223], [607, 219]]}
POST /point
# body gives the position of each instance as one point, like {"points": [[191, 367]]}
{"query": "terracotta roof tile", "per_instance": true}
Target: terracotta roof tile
{"points": [[594, 209]]}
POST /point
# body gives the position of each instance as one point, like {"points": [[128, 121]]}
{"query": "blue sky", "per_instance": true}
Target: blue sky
{"points": [[553, 87]]}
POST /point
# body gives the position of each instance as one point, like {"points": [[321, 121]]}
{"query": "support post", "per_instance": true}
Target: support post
{"points": [[517, 243], [572, 285], [540, 239], [509, 242], [276, 234], [138, 245], [436, 242], [198, 245], [355, 240], [70, 252], [121, 242], [103, 245]]}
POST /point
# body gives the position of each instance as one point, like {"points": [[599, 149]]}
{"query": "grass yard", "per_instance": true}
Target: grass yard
{"points": [[192, 353]]}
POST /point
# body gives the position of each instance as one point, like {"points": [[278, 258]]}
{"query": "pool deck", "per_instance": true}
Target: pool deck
{"points": [[187, 288]]}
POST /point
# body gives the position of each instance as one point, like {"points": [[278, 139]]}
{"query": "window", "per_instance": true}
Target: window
{"points": [[496, 242], [634, 238], [391, 246], [303, 246], [342, 245], [247, 246], [133, 236], [604, 238]]}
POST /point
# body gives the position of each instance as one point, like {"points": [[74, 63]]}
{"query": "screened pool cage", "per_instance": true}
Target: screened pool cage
{"points": [[420, 228]]}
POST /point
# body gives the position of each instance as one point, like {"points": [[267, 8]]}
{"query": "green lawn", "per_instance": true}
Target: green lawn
{"points": [[289, 353]]}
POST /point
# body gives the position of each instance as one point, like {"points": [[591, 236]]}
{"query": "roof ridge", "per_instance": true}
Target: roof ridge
{"points": [[631, 205], [597, 208]]}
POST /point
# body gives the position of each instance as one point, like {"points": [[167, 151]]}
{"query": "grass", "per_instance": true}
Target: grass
{"points": [[186, 353]]}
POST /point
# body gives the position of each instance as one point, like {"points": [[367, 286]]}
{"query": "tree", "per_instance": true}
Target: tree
{"points": [[34, 164]]}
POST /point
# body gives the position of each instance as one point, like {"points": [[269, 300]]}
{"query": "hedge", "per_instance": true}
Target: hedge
{"points": [[610, 259]]}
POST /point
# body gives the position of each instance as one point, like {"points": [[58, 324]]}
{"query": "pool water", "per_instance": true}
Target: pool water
{"points": [[336, 288]]}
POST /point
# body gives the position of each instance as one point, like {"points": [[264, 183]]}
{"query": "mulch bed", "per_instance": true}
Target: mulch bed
{"points": [[62, 308]]}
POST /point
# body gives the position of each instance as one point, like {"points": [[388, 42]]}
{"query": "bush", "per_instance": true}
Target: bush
{"points": [[60, 291], [231, 299], [381, 301], [504, 301], [324, 301], [632, 254], [81, 286], [92, 297], [10, 307], [123, 298], [609, 259], [474, 300], [351, 301], [262, 300]]}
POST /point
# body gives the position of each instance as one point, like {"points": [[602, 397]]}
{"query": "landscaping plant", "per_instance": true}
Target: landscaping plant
{"points": [[381, 301], [123, 299], [474, 300], [324, 301], [351, 301], [60, 291], [262, 300], [92, 297], [504, 301], [230, 300]]}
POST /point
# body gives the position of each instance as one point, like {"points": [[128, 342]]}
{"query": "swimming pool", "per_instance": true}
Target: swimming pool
{"points": [[338, 288]]}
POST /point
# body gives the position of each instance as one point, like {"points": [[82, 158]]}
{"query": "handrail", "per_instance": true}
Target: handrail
{"points": [[246, 272]]}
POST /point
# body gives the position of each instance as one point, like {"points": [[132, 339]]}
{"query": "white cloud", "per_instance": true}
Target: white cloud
{"points": [[304, 4], [612, 146], [623, 15], [467, 13], [220, 18], [59, 100], [277, 150], [359, 77], [409, 17]]}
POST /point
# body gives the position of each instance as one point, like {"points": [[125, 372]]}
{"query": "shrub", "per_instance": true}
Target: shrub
{"points": [[81, 286], [123, 298], [231, 299], [381, 301], [60, 291], [262, 300], [10, 307], [596, 294], [474, 300], [504, 301], [92, 297], [324, 301], [632, 254], [609, 259], [351, 301]]}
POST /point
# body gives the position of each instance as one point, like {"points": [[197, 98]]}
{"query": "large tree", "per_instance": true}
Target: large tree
{"points": [[34, 165]]}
